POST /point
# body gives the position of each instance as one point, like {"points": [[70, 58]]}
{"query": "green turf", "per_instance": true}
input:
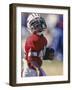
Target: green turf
{"points": [[53, 68]]}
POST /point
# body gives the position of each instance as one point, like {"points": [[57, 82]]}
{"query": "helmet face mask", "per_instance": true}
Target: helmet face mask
{"points": [[37, 24]]}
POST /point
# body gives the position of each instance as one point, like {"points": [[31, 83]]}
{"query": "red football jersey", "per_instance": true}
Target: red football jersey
{"points": [[34, 43]]}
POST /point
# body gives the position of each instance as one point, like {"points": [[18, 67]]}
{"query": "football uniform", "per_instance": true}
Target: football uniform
{"points": [[35, 45], [34, 49]]}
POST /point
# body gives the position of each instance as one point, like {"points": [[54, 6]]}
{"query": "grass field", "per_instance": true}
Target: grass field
{"points": [[53, 68]]}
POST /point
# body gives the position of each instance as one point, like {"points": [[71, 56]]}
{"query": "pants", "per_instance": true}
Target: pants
{"points": [[31, 72], [28, 72]]}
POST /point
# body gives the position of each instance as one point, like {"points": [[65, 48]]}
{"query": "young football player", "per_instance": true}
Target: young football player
{"points": [[35, 45]]}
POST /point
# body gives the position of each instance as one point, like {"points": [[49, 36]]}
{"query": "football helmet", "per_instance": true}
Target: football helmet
{"points": [[36, 23]]}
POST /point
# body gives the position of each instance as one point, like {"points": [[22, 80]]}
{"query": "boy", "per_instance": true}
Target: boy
{"points": [[35, 45]]}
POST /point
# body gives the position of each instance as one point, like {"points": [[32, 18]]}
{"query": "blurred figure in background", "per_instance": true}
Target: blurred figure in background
{"points": [[55, 33]]}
